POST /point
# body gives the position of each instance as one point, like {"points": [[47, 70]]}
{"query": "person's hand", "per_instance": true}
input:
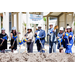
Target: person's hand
{"points": [[1, 38], [53, 30], [70, 36], [58, 37], [65, 30], [36, 33], [39, 37]]}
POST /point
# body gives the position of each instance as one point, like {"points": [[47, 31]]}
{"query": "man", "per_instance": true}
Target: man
{"points": [[52, 38], [41, 33]]}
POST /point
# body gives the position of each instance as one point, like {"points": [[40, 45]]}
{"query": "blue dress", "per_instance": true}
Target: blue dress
{"points": [[60, 35], [69, 47]]}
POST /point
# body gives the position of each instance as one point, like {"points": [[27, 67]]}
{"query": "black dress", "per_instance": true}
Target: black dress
{"points": [[4, 45], [15, 44]]}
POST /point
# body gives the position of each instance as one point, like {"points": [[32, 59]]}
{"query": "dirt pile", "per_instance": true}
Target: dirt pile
{"points": [[36, 57]]}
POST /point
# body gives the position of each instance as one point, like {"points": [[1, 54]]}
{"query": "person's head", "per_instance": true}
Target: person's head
{"points": [[51, 25], [68, 29], [29, 29], [39, 27], [2, 30], [61, 29], [14, 30]]}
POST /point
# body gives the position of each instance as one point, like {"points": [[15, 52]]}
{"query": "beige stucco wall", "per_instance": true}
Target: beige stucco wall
{"points": [[65, 20]]}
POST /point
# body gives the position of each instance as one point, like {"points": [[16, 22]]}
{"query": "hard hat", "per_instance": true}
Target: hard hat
{"points": [[39, 25], [2, 29], [61, 28], [29, 27], [50, 24], [13, 28], [68, 27]]}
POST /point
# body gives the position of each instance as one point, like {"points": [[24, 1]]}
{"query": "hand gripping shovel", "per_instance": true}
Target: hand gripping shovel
{"points": [[5, 38], [67, 36], [60, 40], [41, 43], [20, 42], [14, 37]]}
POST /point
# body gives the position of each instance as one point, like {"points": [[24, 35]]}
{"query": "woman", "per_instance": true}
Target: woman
{"points": [[68, 36], [60, 40], [3, 42], [14, 34], [29, 37]]}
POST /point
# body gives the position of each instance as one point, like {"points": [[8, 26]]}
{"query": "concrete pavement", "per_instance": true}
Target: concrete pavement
{"points": [[35, 48]]}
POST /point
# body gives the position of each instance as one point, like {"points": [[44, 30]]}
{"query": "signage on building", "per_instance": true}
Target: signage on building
{"points": [[36, 17]]}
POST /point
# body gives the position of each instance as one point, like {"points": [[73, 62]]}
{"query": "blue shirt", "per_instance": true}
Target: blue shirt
{"points": [[60, 35], [52, 35], [70, 39]]}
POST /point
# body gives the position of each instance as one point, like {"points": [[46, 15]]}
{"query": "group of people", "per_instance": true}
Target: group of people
{"points": [[64, 38]]}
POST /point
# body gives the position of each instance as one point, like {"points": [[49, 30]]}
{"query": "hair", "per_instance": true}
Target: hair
{"points": [[70, 29], [15, 32], [1, 31], [30, 30]]}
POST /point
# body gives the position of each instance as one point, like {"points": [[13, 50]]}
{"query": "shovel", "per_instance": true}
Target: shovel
{"points": [[42, 46], [13, 42], [5, 38], [61, 48]]}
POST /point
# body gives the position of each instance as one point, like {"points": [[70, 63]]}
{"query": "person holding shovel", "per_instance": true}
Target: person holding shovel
{"points": [[60, 40], [3, 41], [68, 36], [13, 35], [40, 34], [29, 41], [52, 38]]}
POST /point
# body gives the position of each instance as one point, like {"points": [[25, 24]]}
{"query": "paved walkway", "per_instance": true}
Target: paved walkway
{"points": [[35, 48]]}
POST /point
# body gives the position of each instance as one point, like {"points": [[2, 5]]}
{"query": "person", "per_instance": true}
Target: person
{"points": [[29, 37], [52, 38], [68, 36], [14, 33], [41, 33], [4, 44], [60, 40]]}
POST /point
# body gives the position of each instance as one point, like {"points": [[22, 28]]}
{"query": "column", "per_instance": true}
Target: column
{"points": [[58, 24], [47, 28], [17, 19], [12, 18], [20, 25], [6, 21], [73, 23], [27, 20], [43, 26], [0, 23], [65, 18]]}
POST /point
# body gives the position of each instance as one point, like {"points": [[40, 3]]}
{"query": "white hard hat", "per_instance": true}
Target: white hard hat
{"points": [[39, 25], [68, 27], [13, 28], [61, 28], [29, 27], [2, 29], [50, 24]]}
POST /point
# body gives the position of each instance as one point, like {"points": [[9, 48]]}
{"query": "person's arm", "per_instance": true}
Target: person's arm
{"points": [[18, 32], [44, 35], [71, 35], [30, 37], [48, 32], [35, 34], [11, 36], [0, 38]]}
